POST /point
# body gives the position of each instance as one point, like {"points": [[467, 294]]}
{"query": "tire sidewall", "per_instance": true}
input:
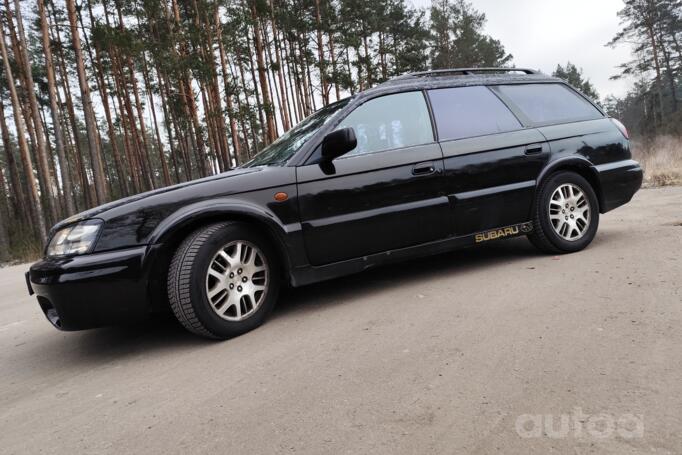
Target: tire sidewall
{"points": [[207, 316], [552, 236]]}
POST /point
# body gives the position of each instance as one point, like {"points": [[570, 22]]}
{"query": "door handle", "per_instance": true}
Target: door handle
{"points": [[427, 168], [533, 149]]}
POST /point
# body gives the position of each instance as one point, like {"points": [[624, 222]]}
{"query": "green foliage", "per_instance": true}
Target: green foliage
{"points": [[457, 38], [574, 76]]}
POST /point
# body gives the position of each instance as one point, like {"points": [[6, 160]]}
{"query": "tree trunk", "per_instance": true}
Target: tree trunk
{"points": [[299, 81], [15, 191], [101, 83], [291, 69], [54, 109], [240, 109], [284, 99], [271, 131], [259, 105], [140, 117], [35, 111], [268, 64], [368, 62], [209, 121], [658, 116], [167, 124], [34, 198], [4, 221], [88, 192], [382, 57], [309, 83], [108, 173], [228, 93], [89, 114], [350, 72], [669, 71], [320, 54], [159, 144], [332, 56], [4, 237]]}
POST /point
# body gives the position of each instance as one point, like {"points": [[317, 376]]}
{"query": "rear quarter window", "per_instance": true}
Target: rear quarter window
{"points": [[549, 103], [462, 112]]}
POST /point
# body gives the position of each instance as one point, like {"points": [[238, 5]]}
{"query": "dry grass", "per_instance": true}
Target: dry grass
{"points": [[23, 248], [661, 159]]}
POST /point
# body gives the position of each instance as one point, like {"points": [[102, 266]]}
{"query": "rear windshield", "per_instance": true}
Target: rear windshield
{"points": [[549, 103]]}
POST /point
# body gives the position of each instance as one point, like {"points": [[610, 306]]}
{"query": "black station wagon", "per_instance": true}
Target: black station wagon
{"points": [[421, 164]]}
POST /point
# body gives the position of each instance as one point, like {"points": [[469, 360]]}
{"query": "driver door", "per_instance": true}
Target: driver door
{"points": [[383, 195]]}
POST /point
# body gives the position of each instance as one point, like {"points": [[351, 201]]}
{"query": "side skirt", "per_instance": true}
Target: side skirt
{"points": [[312, 274]]}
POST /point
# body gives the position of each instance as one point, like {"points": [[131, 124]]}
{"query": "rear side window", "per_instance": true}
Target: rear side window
{"points": [[549, 103], [470, 111], [390, 122]]}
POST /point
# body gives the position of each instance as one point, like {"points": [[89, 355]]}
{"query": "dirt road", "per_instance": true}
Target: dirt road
{"points": [[479, 351]]}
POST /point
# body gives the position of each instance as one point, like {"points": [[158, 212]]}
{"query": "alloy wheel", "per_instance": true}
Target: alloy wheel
{"points": [[237, 280], [569, 212]]}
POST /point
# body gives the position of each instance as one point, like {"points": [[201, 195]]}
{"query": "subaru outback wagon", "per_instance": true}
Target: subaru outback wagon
{"points": [[422, 164]]}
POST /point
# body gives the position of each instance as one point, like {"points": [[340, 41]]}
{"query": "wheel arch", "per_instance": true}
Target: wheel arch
{"points": [[172, 231], [580, 166]]}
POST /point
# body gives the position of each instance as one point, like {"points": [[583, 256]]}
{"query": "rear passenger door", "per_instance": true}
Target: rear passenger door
{"points": [[491, 160]]}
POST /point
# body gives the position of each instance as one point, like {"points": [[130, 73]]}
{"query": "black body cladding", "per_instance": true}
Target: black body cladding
{"points": [[359, 210]]}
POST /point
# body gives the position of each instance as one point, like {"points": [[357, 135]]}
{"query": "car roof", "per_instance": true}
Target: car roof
{"points": [[458, 77]]}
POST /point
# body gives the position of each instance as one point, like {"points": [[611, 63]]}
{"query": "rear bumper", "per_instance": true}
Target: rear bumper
{"points": [[92, 290], [619, 181]]}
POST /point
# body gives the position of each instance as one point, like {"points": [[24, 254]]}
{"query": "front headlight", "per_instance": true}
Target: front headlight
{"points": [[75, 239]]}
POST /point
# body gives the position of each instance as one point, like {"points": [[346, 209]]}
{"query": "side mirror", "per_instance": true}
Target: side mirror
{"points": [[338, 143]]}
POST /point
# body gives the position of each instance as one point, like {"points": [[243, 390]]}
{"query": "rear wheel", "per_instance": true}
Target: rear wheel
{"points": [[566, 214], [223, 280]]}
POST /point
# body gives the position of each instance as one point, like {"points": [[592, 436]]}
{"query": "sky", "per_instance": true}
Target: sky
{"points": [[543, 33]]}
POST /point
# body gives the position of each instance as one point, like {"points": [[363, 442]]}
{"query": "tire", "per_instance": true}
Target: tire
{"points": [[206, 264], [550, 233]]}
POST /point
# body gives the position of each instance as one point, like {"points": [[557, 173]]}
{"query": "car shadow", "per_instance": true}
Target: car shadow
{"points": [[339, 290], [163, 334]]}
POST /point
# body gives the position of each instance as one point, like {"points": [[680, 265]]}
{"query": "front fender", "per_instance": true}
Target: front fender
{"points": [[214, 208], [280, 225]]}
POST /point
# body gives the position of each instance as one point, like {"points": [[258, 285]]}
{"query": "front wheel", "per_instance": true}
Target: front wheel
{"points": [[566, 214], [223, 280]]}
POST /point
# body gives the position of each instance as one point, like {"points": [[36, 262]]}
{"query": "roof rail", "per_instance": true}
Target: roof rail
{"points": [[466, 72]]}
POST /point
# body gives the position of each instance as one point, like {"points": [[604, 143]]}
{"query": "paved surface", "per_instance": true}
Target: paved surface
{"points": [[445, 355]]}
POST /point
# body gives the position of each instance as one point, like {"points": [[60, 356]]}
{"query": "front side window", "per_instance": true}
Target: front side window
{"points": [[549, 103], [390, 122], [470, 111]]}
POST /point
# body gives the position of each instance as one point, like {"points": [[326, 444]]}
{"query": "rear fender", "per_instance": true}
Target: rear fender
{"points": [[575, 163]]}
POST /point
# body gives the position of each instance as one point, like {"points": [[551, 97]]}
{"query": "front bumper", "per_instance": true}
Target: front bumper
{"points": [[92, 290]]}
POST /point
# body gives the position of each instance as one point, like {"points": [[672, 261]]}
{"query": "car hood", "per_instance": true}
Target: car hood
{"points": [[184, 187]]}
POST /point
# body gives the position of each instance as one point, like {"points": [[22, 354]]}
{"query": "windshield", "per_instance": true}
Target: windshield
{"points": [[287, 144]]}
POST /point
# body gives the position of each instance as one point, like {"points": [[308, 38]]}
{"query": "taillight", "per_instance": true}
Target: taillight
{"points": [[621, 127]]}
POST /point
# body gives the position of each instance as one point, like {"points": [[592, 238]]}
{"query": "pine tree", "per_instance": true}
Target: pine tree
{"points": [[458, 39], [574, 76], [654, 29]]}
